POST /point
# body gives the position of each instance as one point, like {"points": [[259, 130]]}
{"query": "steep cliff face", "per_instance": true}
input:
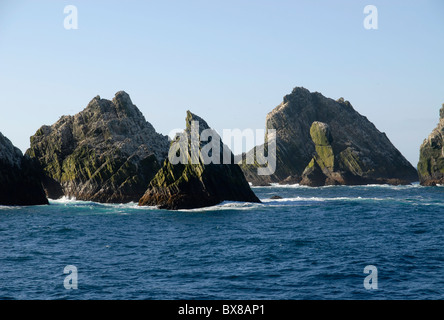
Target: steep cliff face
{"points": [[431, 156], [196, 184], [363, 146], [19, 181], [106, 153]]}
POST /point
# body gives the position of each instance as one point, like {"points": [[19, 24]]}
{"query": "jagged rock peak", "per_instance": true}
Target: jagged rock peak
{"points": [[9, 154], [353, 135], [106, 153], [197, 184], [203, 125], [121, 106]]}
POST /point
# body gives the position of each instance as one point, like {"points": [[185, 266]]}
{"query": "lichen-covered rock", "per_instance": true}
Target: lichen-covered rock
{"points": [[321, 136], [431, 157], [327, 167], [19, 180], [195, 184], [106, 153], [361, 147]]}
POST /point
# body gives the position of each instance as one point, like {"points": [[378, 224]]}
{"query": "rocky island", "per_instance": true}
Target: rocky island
{"points": [[196, 184], [321, 141], [19, 181], [431, 156], [106, 153]]}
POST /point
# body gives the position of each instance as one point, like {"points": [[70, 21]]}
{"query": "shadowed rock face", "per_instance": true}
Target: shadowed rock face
{"points": [[370, 155], [431, 156], [19, 180], [106, 153], [188, 186]]}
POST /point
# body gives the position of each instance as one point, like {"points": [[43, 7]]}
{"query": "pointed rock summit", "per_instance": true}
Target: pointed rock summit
{"points": [[321, 141], [431, 156], [194, 183], [19, 181], [106, 153]]}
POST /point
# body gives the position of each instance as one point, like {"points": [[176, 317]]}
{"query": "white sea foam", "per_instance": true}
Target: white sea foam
{"points": [[323, 199], [227, 205], [296, 186], [277, 185], [121, 207], [65, 200], [8, 207], [393, 187]]}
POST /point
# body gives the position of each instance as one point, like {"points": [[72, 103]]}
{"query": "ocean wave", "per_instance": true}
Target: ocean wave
{"points": [[298, 186], [405, 201], [70, 201], [8, 207], [277, 185], [66, 200], [393, 187], [226, 205], [323, 199]]}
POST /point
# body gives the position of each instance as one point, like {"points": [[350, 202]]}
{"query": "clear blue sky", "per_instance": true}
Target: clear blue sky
{"points": [[230, 62]]}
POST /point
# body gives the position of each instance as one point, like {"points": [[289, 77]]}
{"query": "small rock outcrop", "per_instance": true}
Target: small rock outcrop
{"points": [[19, 181], [195, 184], [106, 153], [431, 156], [343, 147], [328, 167]]}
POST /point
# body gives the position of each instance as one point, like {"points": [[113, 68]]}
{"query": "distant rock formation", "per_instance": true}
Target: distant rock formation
{"points": [[106, 153], [187, 185], [19, 181], [321, 141], [431, 156]]}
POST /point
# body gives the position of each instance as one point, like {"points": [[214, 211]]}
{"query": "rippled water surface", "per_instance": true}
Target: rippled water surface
{"points": [[314, 243]]}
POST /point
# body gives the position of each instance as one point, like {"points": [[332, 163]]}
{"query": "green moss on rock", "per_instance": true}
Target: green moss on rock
{"points": [[350, 161], [188, 185], [431, 156], [321, 136], [106, 153]]}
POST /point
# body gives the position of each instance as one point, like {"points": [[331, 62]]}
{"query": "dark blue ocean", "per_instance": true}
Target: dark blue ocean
{"points": [[312, 244]]}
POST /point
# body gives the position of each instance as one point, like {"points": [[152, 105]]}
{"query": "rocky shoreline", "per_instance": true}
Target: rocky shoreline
{"points": [[109, 153]]}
